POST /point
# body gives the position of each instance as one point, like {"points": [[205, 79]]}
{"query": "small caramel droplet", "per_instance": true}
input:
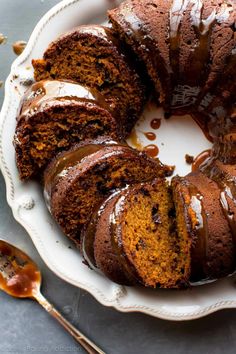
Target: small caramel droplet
{"points": [[156, 123], [3, 39], [200, 159], [150, 136], [18, 47], [151, 150]]}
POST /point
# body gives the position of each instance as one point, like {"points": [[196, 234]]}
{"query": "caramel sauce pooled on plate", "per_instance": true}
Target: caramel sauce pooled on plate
{"points": [[150, 135], [19, 276], [151, 150], [155, 123]]}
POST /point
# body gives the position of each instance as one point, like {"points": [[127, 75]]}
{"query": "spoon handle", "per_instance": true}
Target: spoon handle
{"points": [[86, 343]]}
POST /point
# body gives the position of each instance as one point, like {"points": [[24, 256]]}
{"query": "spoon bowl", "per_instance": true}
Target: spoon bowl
{"points": [[20, 277]]}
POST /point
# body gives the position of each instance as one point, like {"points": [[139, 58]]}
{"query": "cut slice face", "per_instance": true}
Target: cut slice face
{"points": [[78, 187], [54, 116], [143, 234], [92, 56]]}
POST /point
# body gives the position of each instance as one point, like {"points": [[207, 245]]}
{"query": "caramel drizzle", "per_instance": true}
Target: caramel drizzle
{"points": [[200, 159], [150, 136], [205, 101], [146, 43], [90, 233], [229, 215], [227, 186], [63, 164], [151, 150], [46, 91], [200, 244], [117, 243], [187, 93], [176, 14]]}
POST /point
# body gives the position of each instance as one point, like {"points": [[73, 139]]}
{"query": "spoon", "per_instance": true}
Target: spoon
{"points": [[20, 277]]}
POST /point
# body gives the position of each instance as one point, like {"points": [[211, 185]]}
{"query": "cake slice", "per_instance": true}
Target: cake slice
{"points": [[224, 176], [96, 244], [135, 238], [144, 26], [92, 56], [220, 68], [199, 214], [78, 180], [54, 116]]}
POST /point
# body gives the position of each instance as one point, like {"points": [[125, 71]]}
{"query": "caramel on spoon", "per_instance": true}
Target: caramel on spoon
{"points": [[20, 277]]}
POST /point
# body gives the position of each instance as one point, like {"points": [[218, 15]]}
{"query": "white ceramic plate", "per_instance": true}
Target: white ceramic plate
{"points": [[175, 138]]}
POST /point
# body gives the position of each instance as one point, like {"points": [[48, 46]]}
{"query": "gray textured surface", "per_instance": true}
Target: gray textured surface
{"points": [[26, 328]]}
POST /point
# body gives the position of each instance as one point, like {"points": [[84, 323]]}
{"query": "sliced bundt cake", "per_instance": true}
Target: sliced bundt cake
{"points": [[135, 238], [134, 227], [74, 185], [92, 56], [55, 115]]}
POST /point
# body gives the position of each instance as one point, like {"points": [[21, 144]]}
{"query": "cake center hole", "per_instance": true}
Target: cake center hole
{"points": [[169, 139]]}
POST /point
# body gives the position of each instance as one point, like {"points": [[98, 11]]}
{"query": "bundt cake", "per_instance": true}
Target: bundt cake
{"points": [[135, 238], [110, 199], [92, 56], [78, 180], [54, 115]]}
